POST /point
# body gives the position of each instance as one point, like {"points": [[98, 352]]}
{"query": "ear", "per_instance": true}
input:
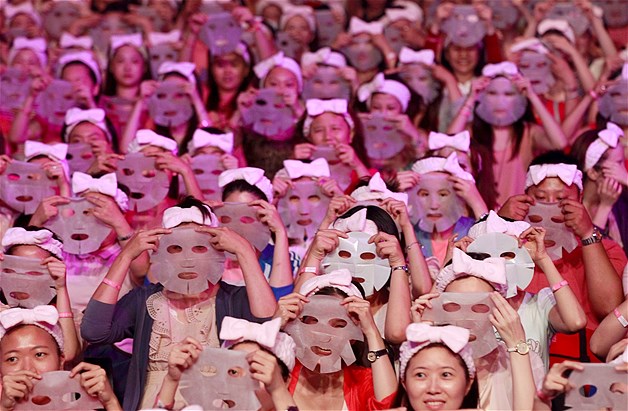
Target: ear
{"points": [[593, 174]]}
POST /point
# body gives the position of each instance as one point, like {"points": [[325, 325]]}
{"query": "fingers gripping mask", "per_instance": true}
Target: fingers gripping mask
{"points": [[464, 28], [597, 387], [220, 379], [269, 115], [615, 12], [325, 84], [170, 106], [505, 14], [60, 17], [206, 169], [519, 264], [500, 104], [148, 186], [23, 186], [394, 38], [221, 33], [337, 169], [572, 14], [360, 258], [537, 68], [382, 138], [557, 236], [434, 203], [327, 28], [160, 53], [14, 87], [303, 208], [419, 78], [185, 261], [362, 53], [80, 231], [79, 157], [242, 218], [57, 391], [467, 310], [54, 101], [614, 103], [25, 282], [286, 44], [323, 334]]}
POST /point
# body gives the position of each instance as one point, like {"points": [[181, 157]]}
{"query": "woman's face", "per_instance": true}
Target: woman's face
{"points": [[26, 60], [241, 197], [128, 66], [78, 74], [29, 348], [229, 71], [329, 129], [435, 380], [283, 81], [463, 59], [469, 284], [88, 133], [299, 30], [385, 104], [552, 190], [30, 251], [502, 101]]}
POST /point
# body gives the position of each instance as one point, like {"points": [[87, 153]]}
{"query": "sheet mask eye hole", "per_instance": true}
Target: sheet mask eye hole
{"points": [[535, 218], [337, 323], [235, 372], [314, 199], [260, 102], [247, 220], [451, 307], [558, 219], [367, 256], [549, 243], [14, 177], [482, 256], [309, 320], [7, 270], [41, 400], [472, 337], [225, 219], [344, 254], [199, 249], [587, 391], [508, 255], [70, 397], [128, 171], [67, 213], [174, 249], [480, 308]]}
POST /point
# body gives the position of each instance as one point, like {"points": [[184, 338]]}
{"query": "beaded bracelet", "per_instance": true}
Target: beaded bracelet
{"points": [[559, 285], [66, 315], [622, 320]]}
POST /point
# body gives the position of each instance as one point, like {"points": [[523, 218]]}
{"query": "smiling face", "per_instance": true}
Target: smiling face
{"points": [[29, 348], [436, 380], [329, 129], [284, 82], [298, 28], [229, 71], [462, 59], [385, 104]]}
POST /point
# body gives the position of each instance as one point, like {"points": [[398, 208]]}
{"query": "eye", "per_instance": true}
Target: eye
{"points": [[41, 354], [11, 360], [235, 372], [447, 374], [420, 375], [314, 199]]}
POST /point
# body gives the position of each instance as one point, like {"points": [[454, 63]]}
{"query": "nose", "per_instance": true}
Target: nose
{"points": [[434, 387], [434, 204], [28, 364], [187, 263], [304, 207]]}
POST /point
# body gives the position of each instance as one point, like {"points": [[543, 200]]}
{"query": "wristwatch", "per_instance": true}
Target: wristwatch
{"points": [[373, 356], [596, 237], [521, 347]]}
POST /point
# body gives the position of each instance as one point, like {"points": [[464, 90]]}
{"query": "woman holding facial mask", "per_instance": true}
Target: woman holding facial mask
{"points": [[270, 354], [501, 101], [325, 376], [299, 23], [178, 109], [126, 70], [156, 316]]}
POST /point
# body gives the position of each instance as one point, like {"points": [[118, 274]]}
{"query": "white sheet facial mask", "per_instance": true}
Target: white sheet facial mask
{"points": [[434, 202], [25, 282], [56, 391], [206, 169], [109, 25], [614, 103], [286, 44], [519, 264], [157, 22], [23, 186], [221, 33], [323, 334], [325, 84], [269, 115], [615, 12], [160, 53], [338, 170], [500, 104], [220, 379], [170, 105], [303, 208], [362, 54], [60, 17], [419, 78], [463, 27], [242, 218], [79, 157], [572, 14], [327, 28], [14, 87], [117, 107], [557, 236], [54, 101], [606, 388], [394, 38], [467, 310], [536, 67], [382, 138], [360, 258], [505, 14], [148, 186], [80, 231], [185, 261]]}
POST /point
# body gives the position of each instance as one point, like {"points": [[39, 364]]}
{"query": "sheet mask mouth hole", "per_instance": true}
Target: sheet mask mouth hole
{"points": [[320, 351], [34, 273], [549, 243], [137, 195], [24, 199], [170, 113], [225, 219], [19, 295], [508, 255], [41, 400], [79, 237], [305, 222], [208, 192], [188, 275], [558, 219]]}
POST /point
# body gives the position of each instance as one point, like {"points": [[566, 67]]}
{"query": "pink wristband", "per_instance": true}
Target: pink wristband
{"points": [[111, 284], [622, 320], [542, 396], [66, 315], [559, 285]]}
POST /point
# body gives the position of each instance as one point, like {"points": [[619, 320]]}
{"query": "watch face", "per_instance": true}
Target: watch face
{"points": [[523, 348], [371, 356]]}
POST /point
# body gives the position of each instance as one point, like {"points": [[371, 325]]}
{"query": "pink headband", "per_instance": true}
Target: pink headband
{"points": [[607, 138], [380, 85], [377, 190], [492, 270], [568, 174], [41, 238], [495, 224], [297, 169], [315, 107], [107, 184], [356, 222], [460, 141], [340, 279], [439, 164], [174, 216], [45, 317]]}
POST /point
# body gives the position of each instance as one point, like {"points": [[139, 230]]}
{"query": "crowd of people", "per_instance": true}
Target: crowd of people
{"points": [[314, 204]]}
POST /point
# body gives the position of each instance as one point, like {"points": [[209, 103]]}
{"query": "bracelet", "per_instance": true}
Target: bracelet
{"points": [[622, 320], [110, 283], [542, 396], [559, 285], [400, 267], [312, 270], [125, 237], [594, 95], [66, 315], [411, 244]]}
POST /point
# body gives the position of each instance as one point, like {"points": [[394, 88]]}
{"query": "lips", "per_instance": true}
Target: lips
{"points": [[187, 275], [305, 222], [434, 404]]}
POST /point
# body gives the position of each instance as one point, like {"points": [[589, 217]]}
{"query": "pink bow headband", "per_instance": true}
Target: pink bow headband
{"points": [[202, 138], [492, 270], [567, 173], [460, 141], [355, 222], [377, 190], [379, 84], [422, 335], [148, 137], [107, 184], [174, 216], [45, 317], [325, 56], [495, 224], [340, 279], [315, 107], [41, 238], [439, 164], [607, 138], [297, 169]]}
